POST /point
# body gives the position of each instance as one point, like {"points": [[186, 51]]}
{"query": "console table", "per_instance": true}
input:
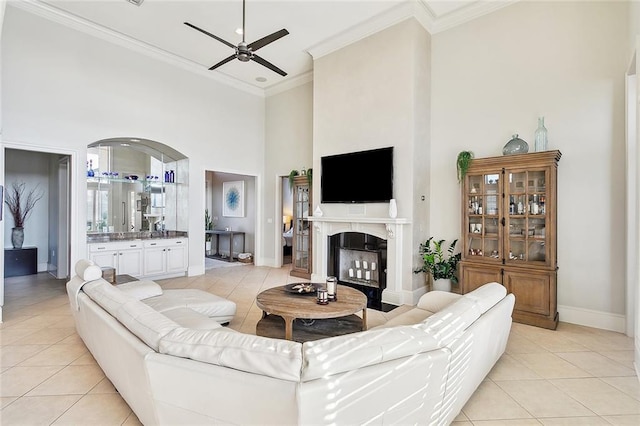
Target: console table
{"points": [[23, 261], [231, 235]]}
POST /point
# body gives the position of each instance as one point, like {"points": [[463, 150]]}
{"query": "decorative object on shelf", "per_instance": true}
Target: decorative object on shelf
{"points": [[305, 172], [393, 208], [540, 138], [462, 164], [515, 146], [332, 289], [318, 212], [292, 175], [90, 172], [436, 263], [21, 208], [233, 199]]}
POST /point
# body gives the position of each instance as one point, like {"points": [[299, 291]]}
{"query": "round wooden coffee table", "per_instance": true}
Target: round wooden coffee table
{"points": [[289, 306]]}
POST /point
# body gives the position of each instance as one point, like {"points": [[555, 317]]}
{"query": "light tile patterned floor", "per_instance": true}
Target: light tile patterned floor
{"points": [[573, 376]]}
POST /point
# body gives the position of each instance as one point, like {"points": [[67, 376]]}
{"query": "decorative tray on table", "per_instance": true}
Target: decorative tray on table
{"points": [[300, 288]]}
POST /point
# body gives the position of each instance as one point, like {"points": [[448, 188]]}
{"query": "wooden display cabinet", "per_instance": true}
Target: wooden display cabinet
{"points": [[509, 218], [301, 248]]}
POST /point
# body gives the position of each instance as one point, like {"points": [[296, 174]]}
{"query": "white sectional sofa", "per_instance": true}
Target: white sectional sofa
{"points": [[184, 368]]}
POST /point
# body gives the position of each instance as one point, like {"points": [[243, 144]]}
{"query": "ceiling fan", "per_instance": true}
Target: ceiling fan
{"points": [[245, 52]]}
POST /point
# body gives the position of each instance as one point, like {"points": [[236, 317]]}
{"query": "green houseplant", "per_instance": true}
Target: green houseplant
{"points": [[294, 173], [462, 164], [436, 263]]}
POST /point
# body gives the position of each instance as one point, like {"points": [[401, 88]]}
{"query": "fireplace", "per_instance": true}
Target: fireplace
{"points": [[359, 260], [380, 237]]}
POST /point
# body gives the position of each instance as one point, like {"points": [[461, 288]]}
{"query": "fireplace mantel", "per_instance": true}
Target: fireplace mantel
{"points": [[390, 229]]}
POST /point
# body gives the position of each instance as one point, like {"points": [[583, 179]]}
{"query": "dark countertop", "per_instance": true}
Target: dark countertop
{"points": [[105, 237]]}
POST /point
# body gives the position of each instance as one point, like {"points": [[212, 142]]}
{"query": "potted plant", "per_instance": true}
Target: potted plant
{"points": [[21, 207], [439, 265], [462, 164], [305, 172]]}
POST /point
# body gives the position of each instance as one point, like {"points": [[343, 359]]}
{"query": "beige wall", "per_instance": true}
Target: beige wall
{"points": [[288, 146], [373, 94], [565, 60]]}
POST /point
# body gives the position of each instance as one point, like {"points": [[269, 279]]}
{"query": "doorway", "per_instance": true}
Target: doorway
{"points": [[47, 227]]}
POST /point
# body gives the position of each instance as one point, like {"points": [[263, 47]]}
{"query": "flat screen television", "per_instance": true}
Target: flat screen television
{"points": [[357, 177]]}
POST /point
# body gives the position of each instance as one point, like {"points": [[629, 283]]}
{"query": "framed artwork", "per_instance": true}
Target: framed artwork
{"points": [[233, 199]]}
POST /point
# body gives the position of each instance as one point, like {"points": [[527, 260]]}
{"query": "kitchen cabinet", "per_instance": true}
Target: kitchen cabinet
{"points": [[509, 220], [165, 256], [124, 256]]}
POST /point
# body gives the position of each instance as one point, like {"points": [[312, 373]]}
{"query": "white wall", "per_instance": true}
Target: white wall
{"points": [[63, 88], [564, 60], [288, 146]]}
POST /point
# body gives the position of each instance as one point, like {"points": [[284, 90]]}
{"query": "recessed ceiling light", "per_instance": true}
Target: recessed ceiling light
{"points": [[239, 31], [261, 79], [124, 144], [134, 140]]}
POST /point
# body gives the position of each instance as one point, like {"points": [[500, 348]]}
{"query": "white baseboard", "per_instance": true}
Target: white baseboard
{"points": [[591, 318]]}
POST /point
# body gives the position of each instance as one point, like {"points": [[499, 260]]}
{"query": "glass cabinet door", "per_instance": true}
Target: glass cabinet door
{"points": [[484, 233], [525, 200], [301, 227]]}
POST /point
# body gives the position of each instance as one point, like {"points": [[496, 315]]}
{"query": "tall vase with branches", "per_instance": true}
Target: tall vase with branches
{"points": [[20, 204]]}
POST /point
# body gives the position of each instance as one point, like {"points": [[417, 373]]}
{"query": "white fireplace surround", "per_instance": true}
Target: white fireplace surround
{"points": [[391, 230]]}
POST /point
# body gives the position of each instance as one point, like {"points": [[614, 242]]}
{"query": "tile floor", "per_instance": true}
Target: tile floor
{"points": [[573, 376]]}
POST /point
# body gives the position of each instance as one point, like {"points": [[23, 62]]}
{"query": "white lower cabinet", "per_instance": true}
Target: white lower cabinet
{"points": [[125, 257], [165, 256], [143, 258]]}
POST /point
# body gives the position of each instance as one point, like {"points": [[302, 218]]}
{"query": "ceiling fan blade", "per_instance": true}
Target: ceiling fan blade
{"points": [[210, 35], [269, 65], [268, 39], [222, 62]]}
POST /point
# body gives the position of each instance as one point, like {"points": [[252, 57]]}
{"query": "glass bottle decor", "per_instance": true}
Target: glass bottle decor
{"points": [[90, 172], [515, 146], [393, 209], [540, 136]]}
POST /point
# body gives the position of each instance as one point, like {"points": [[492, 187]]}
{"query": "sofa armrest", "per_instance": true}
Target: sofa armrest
{"points": [[436, 300]]}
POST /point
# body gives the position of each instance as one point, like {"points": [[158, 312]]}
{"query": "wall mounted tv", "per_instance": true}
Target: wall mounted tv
{"points": [[357, 177]]}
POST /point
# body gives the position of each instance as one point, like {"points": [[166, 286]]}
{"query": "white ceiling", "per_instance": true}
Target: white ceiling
{"points": [[315, 26]]}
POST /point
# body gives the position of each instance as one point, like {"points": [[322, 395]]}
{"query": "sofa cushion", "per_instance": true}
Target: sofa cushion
{"points": [[277, 358], [188, 318], [106, 295], [352, 351], [141, 289], [487, 295], [87, 270], [409, 317], [221, 309], [147, 324], [436, 300]]}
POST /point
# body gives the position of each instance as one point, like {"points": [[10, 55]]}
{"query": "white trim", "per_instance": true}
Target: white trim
{"points": [[80, 24], [467, 13], [289, 84], [591, 318]]}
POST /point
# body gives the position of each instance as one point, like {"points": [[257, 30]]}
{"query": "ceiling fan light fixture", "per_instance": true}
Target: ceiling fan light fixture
{"points": [[136, 2], [239, 31]]}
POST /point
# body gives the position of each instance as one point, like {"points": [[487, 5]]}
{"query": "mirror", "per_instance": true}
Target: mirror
{"points": [[133, 187]]}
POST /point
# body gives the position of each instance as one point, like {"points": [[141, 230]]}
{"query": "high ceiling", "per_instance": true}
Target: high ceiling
{"points": [[315, 27]]}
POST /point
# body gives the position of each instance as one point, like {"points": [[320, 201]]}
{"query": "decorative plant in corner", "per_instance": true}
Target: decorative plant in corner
{"points": [[21, 207], [208, 226], [462, 164], [294, 173], [436, 263]]}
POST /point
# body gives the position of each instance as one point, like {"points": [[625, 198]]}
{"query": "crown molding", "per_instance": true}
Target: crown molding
{"points": [[289, 84], [466, 13], [371, 26], [75, 22]]}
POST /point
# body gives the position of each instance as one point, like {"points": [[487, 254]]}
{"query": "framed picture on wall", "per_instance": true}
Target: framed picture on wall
{"points": [[233, 199]]}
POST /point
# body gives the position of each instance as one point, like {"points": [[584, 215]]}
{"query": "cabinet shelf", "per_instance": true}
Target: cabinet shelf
{"points": [[522, 255]]}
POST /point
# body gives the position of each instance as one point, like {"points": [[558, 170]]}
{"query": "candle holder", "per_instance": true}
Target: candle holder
{"points": [[332, 289], [323, 297]]}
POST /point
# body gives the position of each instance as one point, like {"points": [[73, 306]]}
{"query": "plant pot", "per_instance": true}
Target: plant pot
{"points": [[17, 237], [442, 284]]}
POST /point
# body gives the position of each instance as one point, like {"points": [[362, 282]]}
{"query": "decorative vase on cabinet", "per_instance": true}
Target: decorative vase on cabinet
{"points": [[540, 138], [509, 231]]}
